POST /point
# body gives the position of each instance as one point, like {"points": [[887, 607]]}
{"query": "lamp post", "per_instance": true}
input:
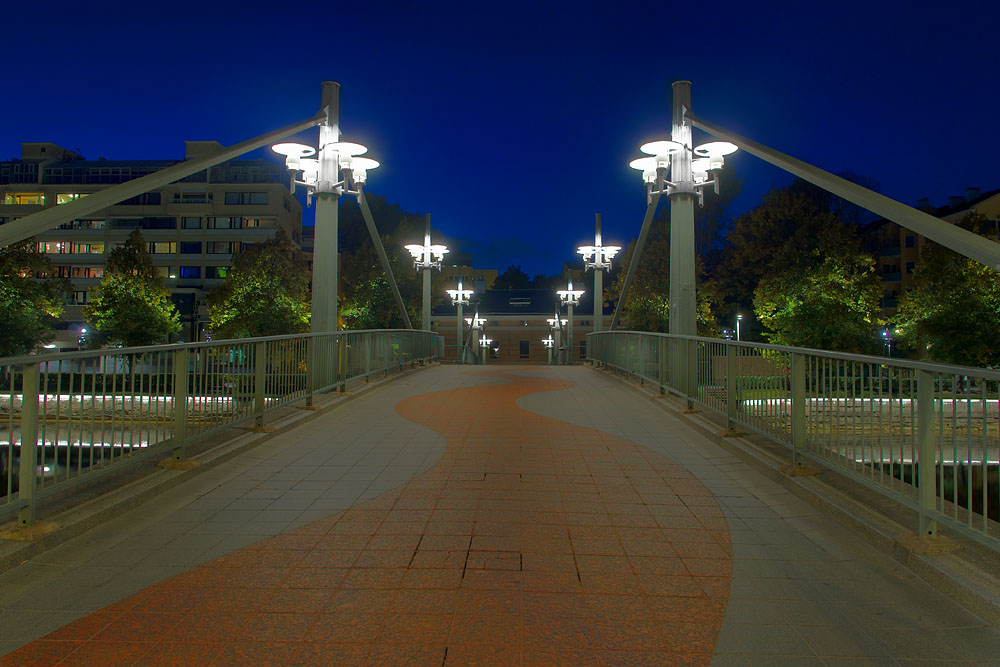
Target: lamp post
{"points": [[555, 324], [476, 324], [598, 257], [570, 297], [485, 342], [887, 341], [739, 318], [688, 179], [427, 257], [548, 343], [460, 297], [330, 174]]}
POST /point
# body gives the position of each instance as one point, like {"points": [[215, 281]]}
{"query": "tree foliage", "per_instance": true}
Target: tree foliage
{"points": [[132, 305], [29, 307], [512, 278], [952, 310], [265, 292], [801, 265]]}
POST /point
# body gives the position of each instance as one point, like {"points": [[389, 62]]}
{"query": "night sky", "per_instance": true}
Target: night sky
{"points": [[513, 123]]}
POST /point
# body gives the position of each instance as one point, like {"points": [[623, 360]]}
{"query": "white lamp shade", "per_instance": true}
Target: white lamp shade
{"points": [[292, 149], [663, 147], [716, 149], [364, 163], [438, 250], [644, 164], [347, 148], [416, 250]]}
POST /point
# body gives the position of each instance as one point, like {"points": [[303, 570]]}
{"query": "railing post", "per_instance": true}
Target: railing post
{"points": [[692, 372], [310, 372], [181, 360], [798, 378], [641, 362], [339, 373], [925, 441], [661, 366], [368, 356], [732, 382], [29, 441], [259, 376]]}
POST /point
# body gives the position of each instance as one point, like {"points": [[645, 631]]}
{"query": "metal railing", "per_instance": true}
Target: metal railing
{"points": [[67, 419], [874, 418]]}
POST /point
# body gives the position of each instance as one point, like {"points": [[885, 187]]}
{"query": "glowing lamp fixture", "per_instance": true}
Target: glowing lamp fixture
{"points": [[346, 169], [555, 322], [475, 322], [710, 160], [484, 341], [427, 256], [598, 256], [459, 296], [570, 296], [548, 342]]}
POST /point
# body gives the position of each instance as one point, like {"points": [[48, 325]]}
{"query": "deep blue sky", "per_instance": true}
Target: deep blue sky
{"points": [[513, 123]]}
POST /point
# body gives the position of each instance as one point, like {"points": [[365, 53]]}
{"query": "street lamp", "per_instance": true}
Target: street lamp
{"points": [[459, 297], [476, 324], [569, 297], [887, 341], [598, 257], [555, 324], [336, 169], [682, 172], [485, 342], [427, 257], [548, 343], [739, 318]]}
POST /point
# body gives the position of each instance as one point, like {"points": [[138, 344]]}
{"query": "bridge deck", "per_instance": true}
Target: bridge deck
{"points": [[493, 515]]}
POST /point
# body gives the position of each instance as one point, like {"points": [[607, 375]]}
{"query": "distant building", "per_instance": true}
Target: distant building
{"points": [[193, 227], [516, 321], [897, 249], [478, 280]]}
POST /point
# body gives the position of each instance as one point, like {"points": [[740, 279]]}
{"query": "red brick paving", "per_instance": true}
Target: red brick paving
{"points": [[531, 542]]}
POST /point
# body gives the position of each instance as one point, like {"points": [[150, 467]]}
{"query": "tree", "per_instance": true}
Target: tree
{"points": [[828, 299], [265, 292], [952, 310], [512, 278], [29, 307], [647, 305], [132, 305], [803, 268]]}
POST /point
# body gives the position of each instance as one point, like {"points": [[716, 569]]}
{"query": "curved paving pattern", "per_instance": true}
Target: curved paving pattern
{"points": [[532, 541]]}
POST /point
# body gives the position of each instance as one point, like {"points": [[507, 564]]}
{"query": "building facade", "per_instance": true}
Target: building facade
{"points": [[516, 321], [897, 249], [192, 227]]}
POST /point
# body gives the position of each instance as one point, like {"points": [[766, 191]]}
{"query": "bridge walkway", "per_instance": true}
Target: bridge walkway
{"points": [[468, 515]]}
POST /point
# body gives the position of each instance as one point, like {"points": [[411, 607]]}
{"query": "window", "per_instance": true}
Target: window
{"points": [[165, 271], [583, 348], [143, 223], [192, 197], [145, 199], [223, 223], [67, 197], [258, 222], [910, 240], [190, 272], [83, 224], [24, 198], [191, 248], [910, 266], [77, 298], [85, 271], [190, 223], [238, 198], [162, 247], [220, 247], [216, 271], [524, 349]]}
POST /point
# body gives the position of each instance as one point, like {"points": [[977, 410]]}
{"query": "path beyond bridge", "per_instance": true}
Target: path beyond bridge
{"points": [[468, 515]]}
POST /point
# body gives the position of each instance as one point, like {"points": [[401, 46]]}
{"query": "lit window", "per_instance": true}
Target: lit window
{"points": [[66, 197], [258, 222], [190, 272], [162, 247], [24, 198]]}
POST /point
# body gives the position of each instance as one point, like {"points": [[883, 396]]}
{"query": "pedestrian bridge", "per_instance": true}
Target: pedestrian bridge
{"points": [[502, 515]]}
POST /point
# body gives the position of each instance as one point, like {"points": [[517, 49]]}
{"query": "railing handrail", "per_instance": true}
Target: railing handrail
{"points": [[929, 366], [114, 351]]}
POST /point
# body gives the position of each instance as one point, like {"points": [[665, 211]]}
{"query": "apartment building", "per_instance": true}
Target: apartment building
{"points": [[193, 227], [897, 249], [516, 323]]}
